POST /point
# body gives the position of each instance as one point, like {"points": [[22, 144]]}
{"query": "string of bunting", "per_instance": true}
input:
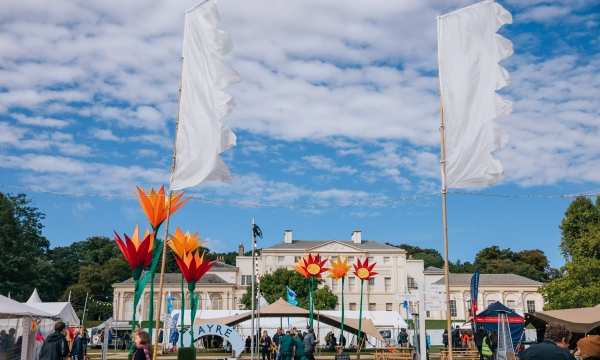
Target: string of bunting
{"points": [[361, 203]]}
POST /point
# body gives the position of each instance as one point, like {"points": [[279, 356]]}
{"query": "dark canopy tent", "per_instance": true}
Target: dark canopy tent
{"points": [[489, 319]]}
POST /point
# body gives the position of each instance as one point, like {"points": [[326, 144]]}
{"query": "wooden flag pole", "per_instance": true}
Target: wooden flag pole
{"points": [[164, 249], [445, 225]]}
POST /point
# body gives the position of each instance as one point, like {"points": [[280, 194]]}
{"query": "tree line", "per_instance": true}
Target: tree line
{"points": [[92, 265]]}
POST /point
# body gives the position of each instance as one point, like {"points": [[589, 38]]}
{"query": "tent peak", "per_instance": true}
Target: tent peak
{"points": [[34, 298]]}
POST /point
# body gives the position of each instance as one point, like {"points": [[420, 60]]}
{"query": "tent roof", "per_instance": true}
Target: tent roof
{"points": [[62, 310], [581, 320], [34, 298], [282, 308], [9, 307], [494, 308]]}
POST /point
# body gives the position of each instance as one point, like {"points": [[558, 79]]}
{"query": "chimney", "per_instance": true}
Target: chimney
{"points": [[241, 249], [287, 236], [356, 237]]}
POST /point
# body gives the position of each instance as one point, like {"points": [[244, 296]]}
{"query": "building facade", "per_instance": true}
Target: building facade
{"points": [[224, 285]]}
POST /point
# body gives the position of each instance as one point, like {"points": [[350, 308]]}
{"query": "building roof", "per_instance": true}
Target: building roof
{"points": [[221, 266], [433, 270], [307, 244], [175, 279], [488, 279]]}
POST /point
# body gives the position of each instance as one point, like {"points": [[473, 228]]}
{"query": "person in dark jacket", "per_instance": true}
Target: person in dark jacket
{"points": [[456, 338], [494, 339], [445, 338], [160, 336], [77, 348], [55, 346], [265, 346], [143, 348], [553, 347], [479, 335]]}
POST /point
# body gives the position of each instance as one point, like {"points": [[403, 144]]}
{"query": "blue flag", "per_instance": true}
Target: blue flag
{"points": [[291, 297], [474, 292], [169, 303]]}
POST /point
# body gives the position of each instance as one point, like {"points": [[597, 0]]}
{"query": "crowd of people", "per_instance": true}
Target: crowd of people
{"points": [[293, 344]]}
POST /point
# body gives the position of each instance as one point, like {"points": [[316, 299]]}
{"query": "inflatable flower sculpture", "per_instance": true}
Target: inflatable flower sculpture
{"points": [[182, 244], [339, 270], [363, 271], [311, 267]]}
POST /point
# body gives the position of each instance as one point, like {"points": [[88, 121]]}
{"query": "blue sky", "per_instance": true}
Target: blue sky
{"points": [[337, 105]]}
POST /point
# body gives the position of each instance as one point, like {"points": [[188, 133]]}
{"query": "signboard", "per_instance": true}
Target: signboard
{"points": [[226, 332], [386, 334], [406, 297], [342, 357], [435, 307], [436, 288], [435, 297]]}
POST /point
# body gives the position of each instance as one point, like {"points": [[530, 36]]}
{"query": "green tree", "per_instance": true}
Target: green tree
{"points": [[273, 287], [23, 246], [430, 257], [579, 282]]}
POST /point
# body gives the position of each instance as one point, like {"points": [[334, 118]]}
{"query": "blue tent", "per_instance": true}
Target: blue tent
{"points": [[489, 319]]}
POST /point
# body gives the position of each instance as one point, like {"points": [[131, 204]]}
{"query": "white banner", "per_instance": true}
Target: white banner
{"points": [[201, 137], [468, 54]]}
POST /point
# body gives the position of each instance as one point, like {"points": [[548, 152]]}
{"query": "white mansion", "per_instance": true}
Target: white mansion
{"points": [[224, 284]]}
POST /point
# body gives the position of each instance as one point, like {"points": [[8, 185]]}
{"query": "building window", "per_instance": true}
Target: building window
{"points": [[351, 283], [246, 280], [334, 285], [371, 260], [490, 302], [453, 312], [510, 304], [468, 302], [371, 283], [350, 260], [176, 303], [216, 302], [388, 306], [386, 259], [280, 259], [530, 306], [352, 306], [372, 307], [128, 307], [410, 282], [427, 314], [388, 284]]}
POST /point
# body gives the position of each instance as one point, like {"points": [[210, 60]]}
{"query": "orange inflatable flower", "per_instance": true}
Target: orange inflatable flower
{"points": [[137, 253], [182, 244], [313, 266], [340, 269], [300, 267], [155, 204], [193, 267], [363, 271]]}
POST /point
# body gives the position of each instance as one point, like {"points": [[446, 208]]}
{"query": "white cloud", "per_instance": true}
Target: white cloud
{"points": [[40, 121], [104, 134]]}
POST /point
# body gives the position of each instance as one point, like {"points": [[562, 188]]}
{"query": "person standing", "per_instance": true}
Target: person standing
{"points": [[175, 337], [403, 338], [142, 346], [248, 344], [309, 344], [276, 338], [126, 340], [479, 335], [445, 338], [486, 346], [588, 348], [553, 347], [300, 354], [77, 348], [160, 336], [455, 338], [265, 346], [494, 339], [287, 347], [55, 346]]}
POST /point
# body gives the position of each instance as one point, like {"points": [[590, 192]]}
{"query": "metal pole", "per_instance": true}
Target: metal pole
{"points": [[252, 297], [445, 224], [84, 307], [258, 318]]}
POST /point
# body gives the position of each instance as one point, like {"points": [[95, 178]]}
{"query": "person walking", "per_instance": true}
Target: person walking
{"points": [[55, 346], [479, 335], [553, 347], [265, 346], [175, 337], [445, 338], [276, 338], [309, 344], [142, 346], [126, 341], [77, 348], [300, 353], [287, 347]]}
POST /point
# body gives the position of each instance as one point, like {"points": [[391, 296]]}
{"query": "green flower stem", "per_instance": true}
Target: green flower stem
{"points": [[362, 282], [181, 317], [342, 327], [132, 343]]}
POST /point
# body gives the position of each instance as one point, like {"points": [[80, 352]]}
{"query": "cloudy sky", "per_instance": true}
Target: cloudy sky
{"points": [[337, 105]]}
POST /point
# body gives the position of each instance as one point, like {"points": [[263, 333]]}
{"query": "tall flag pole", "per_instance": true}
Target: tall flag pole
{"points": [[468, 54], [199, 135], [474, 292]]}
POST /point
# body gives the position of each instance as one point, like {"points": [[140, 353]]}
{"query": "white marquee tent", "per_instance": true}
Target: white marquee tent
{"points": [[61, 310]]}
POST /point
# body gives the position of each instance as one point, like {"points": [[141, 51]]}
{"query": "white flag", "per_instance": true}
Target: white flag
{"points": [[208, 302], [262, 301], [201, 137], [468, 54]]}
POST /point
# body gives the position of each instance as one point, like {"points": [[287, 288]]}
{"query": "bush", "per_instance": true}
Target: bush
{"points": [[186, 353]]}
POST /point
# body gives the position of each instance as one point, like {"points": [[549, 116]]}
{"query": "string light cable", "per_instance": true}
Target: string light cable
{"points": [[317, 206]]}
